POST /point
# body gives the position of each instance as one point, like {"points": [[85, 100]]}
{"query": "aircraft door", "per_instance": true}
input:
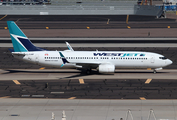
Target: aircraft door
{"points": [[37, 58], [152, 59]]}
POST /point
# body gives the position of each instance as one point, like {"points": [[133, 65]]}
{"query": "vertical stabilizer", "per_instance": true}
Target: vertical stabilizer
{"points": [[19, 40]]}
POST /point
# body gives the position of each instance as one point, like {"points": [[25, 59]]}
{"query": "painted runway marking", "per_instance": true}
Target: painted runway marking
{"points": [[148, 81], [4, 97], [149, 69], [142, 98], [128, 27], [81, 81], [3, 17], [16, 82], [72, 98], [42, 68]]}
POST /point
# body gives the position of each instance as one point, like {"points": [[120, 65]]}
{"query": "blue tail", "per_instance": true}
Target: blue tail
{"points": [[19, 40]]}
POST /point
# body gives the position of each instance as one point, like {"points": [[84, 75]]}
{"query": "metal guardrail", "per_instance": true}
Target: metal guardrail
{"points": [[85, 8], [69, 3], [96, 3], [25, 3]]}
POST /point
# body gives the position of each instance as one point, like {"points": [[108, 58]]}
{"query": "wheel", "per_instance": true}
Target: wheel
{"points": [[88, 71]]}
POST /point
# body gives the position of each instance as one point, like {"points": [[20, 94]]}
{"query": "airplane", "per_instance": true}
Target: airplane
{"points": [[102, 61]]}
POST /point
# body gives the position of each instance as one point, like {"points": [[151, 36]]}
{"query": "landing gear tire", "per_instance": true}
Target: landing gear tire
{"points": [[155, 71], [89, 71]]}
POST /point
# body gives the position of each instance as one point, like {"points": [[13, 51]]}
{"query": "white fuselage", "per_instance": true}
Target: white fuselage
{"points": [[120, 59]]}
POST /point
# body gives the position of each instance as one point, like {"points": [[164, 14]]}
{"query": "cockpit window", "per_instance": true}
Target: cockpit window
{"points": [[163, 58]]}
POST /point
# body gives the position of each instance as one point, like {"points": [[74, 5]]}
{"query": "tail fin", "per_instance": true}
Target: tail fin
{"points": [[19, 40]]}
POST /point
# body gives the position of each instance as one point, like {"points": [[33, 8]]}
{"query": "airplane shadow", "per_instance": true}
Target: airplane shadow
{"points": [[96, 73], [139, 72], [81, 74], [23, 71]]}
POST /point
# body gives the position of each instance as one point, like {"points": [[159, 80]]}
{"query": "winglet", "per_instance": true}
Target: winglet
{"points": [[69, 46], [63, 59]]}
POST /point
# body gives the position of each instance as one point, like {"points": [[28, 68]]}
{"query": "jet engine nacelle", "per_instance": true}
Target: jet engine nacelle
{"points": [[106, 68]]}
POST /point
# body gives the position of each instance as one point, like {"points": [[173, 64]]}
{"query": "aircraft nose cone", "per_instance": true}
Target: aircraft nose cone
{"points": [[169, 62]]}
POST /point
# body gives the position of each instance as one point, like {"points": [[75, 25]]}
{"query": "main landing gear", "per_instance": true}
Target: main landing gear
{"points": [[154, 71], [86, 71]]}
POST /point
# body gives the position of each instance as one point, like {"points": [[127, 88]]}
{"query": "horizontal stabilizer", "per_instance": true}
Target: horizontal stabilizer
{"points": [[11, 50]]}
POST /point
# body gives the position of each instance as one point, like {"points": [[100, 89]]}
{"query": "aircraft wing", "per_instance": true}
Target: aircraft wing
{"points": [[90, 64], [85, 65]]}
